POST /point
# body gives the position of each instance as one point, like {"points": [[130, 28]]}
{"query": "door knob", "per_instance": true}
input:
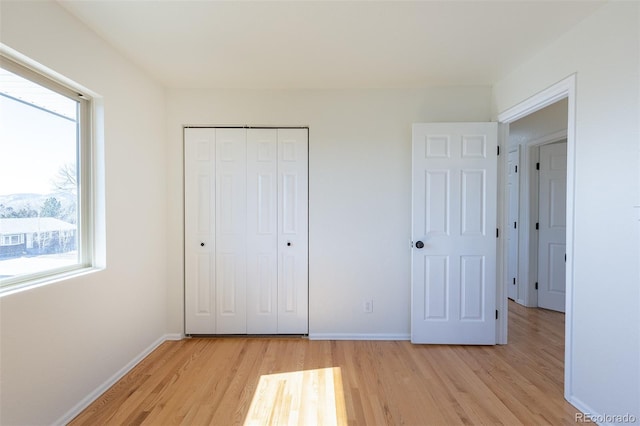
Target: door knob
{"points": [[419, 244], [201, 244]]}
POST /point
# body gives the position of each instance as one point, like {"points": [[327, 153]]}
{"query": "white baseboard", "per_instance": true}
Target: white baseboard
{"points": [[358, 336], [174, 336], [587, 415], [86, 401]]}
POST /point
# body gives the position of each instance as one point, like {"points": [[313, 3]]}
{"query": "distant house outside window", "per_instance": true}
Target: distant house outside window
{"points": [[45, 177]]}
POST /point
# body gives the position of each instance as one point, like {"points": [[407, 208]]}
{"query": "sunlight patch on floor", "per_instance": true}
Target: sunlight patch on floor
{"points": [[308, 397]]}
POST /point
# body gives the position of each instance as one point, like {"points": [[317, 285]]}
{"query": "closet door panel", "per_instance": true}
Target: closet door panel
{"points": [[199, 193], [231, 217], [293, 231], [262, 231]]}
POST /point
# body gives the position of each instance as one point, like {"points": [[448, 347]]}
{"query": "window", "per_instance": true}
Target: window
{"points": [[45, 177], [9, 240]]}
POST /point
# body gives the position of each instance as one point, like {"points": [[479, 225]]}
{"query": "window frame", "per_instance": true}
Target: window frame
{"points": [[85, 164]]}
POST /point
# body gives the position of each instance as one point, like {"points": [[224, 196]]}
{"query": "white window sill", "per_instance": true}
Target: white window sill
{"points": [[47, 280]]}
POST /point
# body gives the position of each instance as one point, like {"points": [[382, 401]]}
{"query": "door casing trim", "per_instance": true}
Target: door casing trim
{"points": [[565, 88]]}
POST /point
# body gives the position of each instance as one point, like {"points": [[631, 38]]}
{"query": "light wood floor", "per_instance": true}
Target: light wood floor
{"points": [[212, 381]]}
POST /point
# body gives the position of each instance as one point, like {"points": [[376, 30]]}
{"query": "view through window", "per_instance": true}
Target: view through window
{"points": [[39, 178]]}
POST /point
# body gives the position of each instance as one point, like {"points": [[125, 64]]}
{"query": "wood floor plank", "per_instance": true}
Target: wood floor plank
{"points": [[213, 381]]}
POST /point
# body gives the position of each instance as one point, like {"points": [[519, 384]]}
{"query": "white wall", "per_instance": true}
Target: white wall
{"points": [[544, 122], [60, 342], [360, 191], [604, 51]]}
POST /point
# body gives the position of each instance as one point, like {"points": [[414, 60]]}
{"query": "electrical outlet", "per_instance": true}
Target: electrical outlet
{"points": [[367, 306]]}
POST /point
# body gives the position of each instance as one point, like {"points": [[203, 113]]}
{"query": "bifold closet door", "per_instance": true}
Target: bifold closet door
{"points": [[215, 231], [246, 227], [277, 266]]}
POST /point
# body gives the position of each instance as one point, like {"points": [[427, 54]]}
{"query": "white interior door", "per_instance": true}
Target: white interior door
{"points": [[246, 231], [454, 233], [513, 183], [552, 226]]}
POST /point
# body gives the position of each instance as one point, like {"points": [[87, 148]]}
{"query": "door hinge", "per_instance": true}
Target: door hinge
{"points": [[497, 233], [515, 225], [496, 314], [516, 169], [498, 149], [565, 258], [514, 280], [537, 166], [537, 225], [536, 286]]}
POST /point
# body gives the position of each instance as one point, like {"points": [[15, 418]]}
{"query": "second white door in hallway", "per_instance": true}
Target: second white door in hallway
{"points": [[552, 226]]}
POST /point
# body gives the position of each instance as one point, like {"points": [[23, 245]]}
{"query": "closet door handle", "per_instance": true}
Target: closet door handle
{"points": [[201, 244]]}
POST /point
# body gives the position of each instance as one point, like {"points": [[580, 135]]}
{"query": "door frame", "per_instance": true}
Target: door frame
{"points": [[517, 149], [565, 88]]}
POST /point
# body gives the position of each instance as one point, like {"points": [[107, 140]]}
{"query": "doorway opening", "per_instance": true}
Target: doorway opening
{"points": [[536, 198], [563, 94]]}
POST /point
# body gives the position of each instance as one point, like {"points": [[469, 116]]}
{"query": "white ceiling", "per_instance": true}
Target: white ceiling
{"points": [[329, 44]]}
